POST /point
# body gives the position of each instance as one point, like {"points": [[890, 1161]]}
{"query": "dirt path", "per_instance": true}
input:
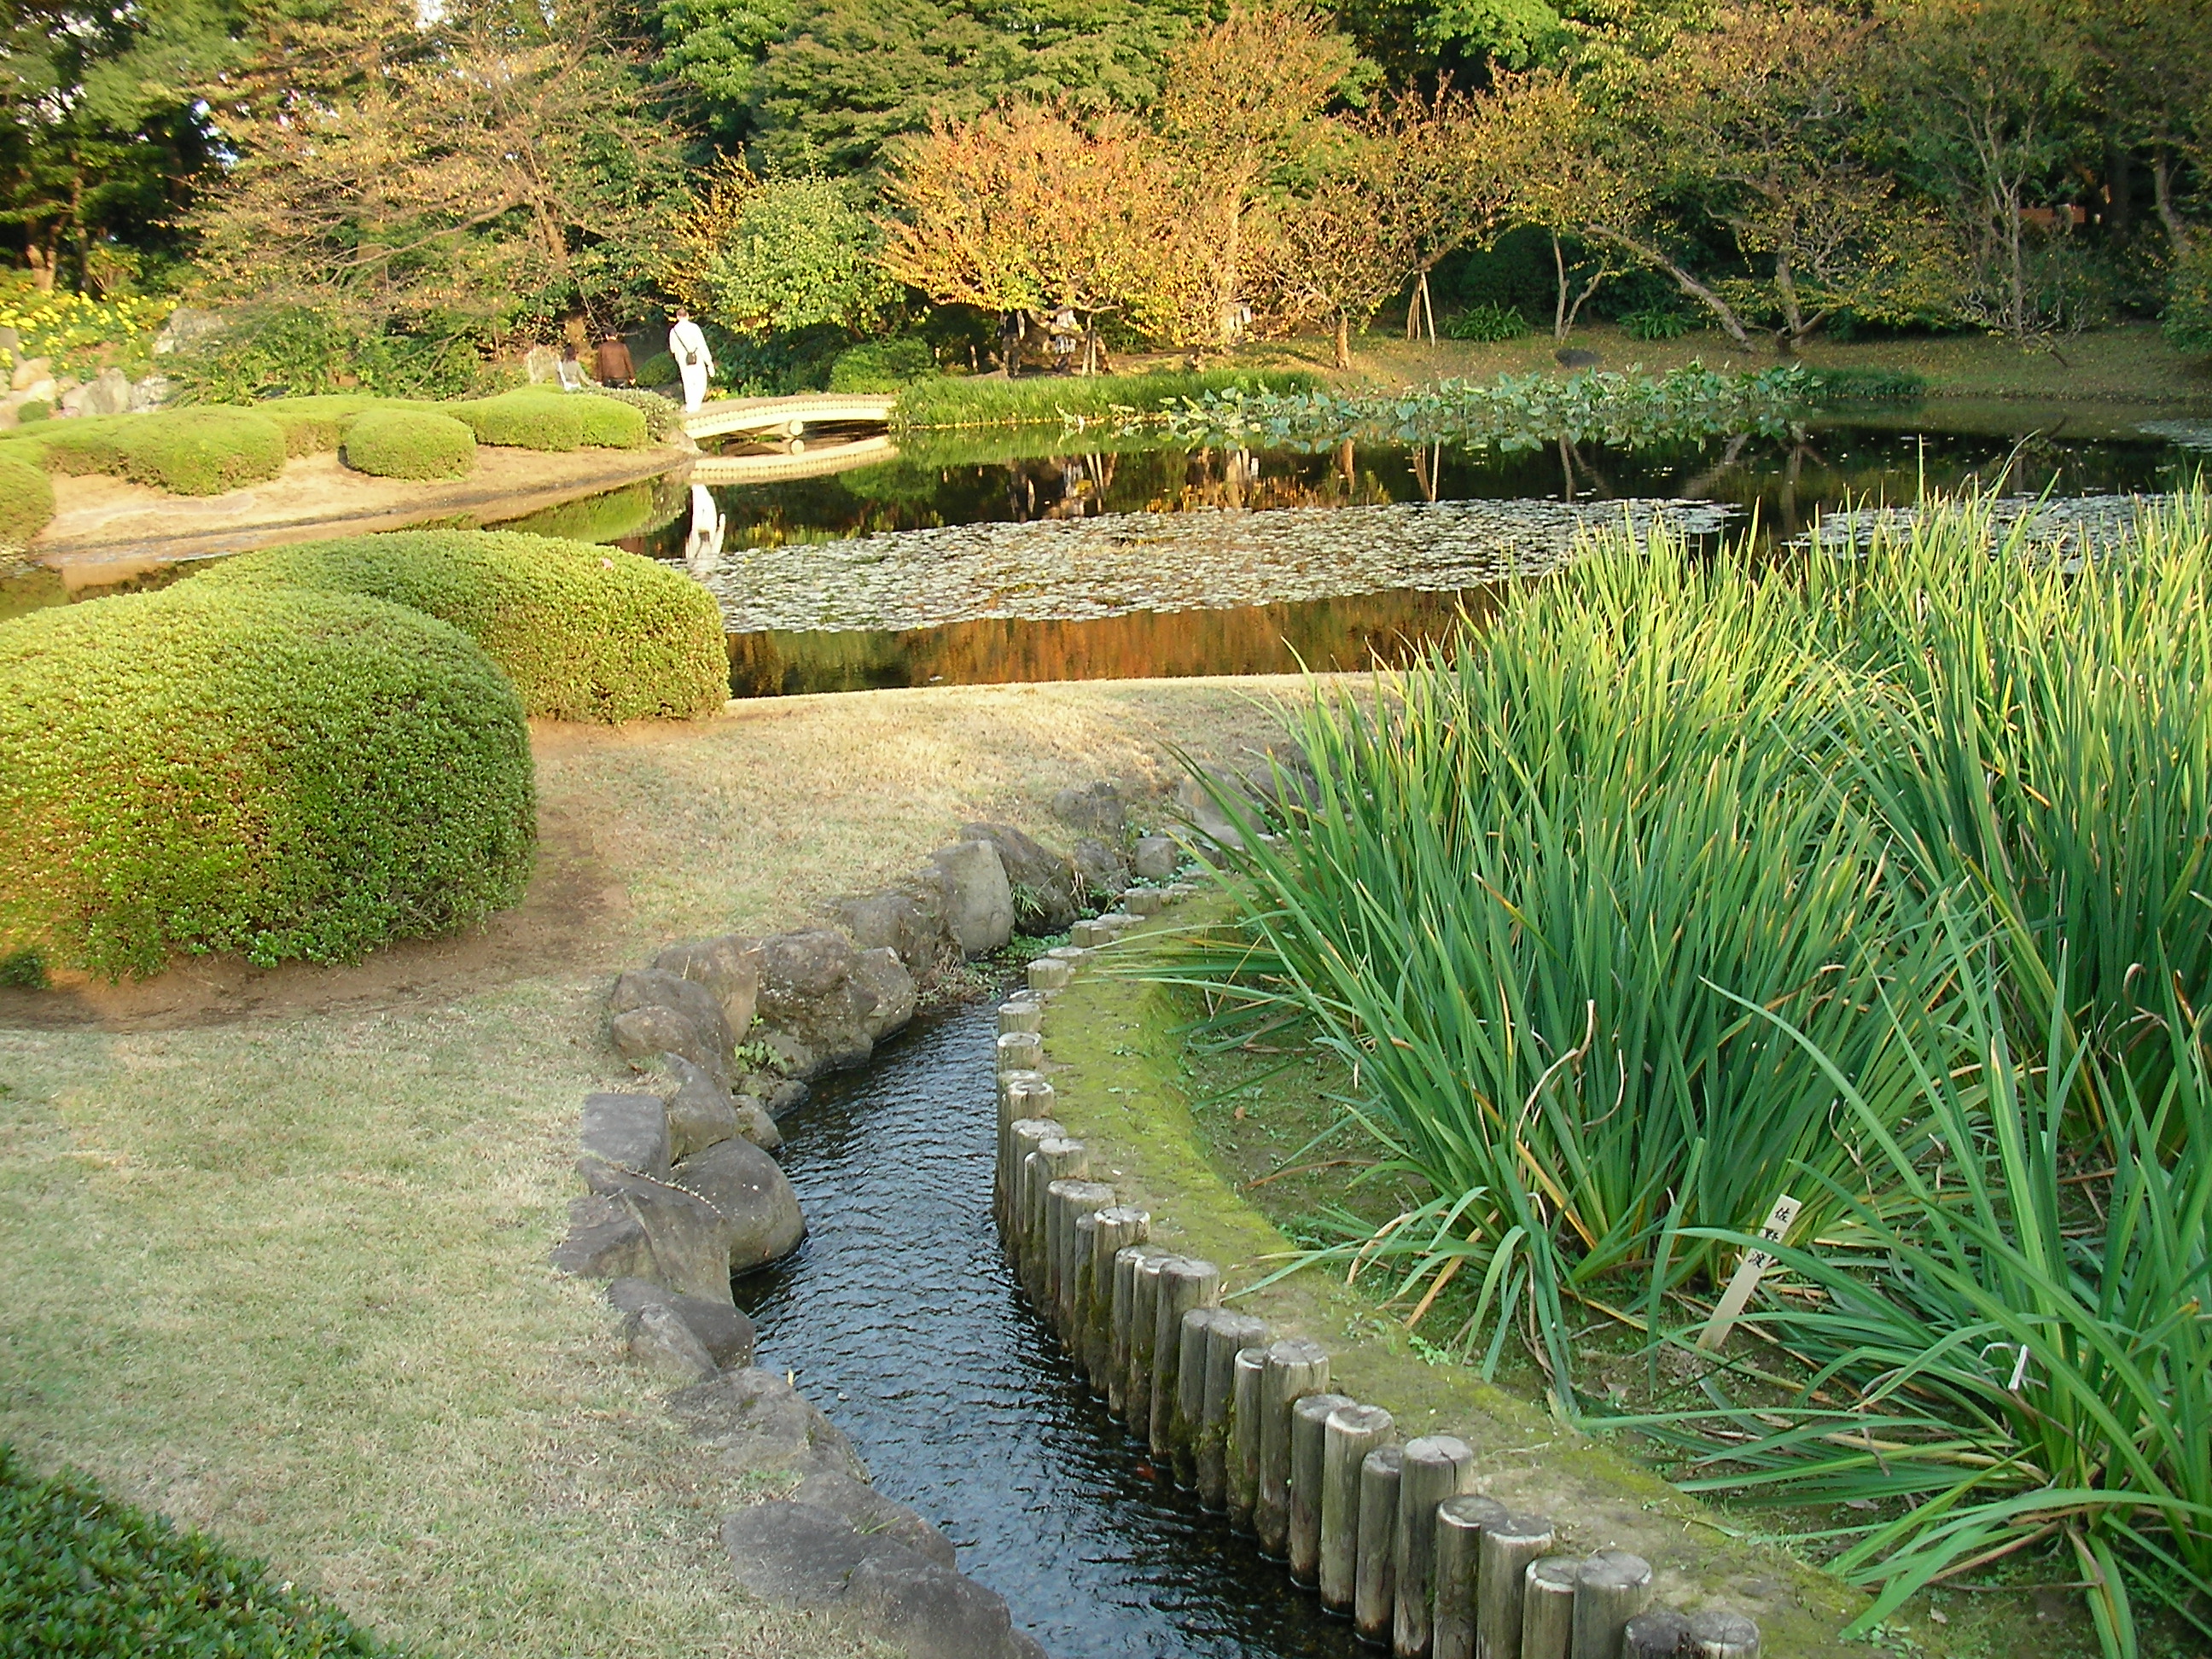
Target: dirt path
{"points": [[106, 530]]}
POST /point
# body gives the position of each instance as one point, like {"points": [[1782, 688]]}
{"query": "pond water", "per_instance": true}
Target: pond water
{"points": [[1042, 556], [901, 1321]]}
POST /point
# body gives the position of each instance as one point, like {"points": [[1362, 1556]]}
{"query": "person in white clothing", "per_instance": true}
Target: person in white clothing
{"points": [[688, 345]]}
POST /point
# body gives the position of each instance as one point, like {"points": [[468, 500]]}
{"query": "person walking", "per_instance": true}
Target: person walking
{"points": [[688, 345]]}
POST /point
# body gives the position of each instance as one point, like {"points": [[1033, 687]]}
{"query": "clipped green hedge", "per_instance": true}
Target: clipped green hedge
{"points": [[663, 419], [82, 1576], [585, 632], [317, 426], [276, 771], [410, 443], [525, 420], [27, 501], [200, 452]]}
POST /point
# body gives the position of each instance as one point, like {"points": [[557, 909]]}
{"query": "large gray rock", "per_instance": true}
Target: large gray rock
{"points": [[541, 364], [649, 1228], [887, 979], [622, 1136], [661, 1342], [749, 1192], [798, 1554], [725, 1333], [1097, 810], [979, 903], [186, 324], [756, 1123], [869, 1511], [1155, 858], [1198, 808], [1098, 867], [701, 1112], [1045, 880], [753, 1422], [729, 967], [814, 1012], [108, 394], [909, 920], [656, 1012]]}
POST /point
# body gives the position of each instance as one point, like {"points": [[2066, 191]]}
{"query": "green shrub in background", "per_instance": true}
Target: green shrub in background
{"points": [[2189, 302], [658, 370], [316, 426], [610, 422], [26, 501], [585, 632], [288, 350], [200, 452], [1655, 325], [525, 420], [663, 419], [410, 443], [82, 1576], [1488, 322], [275, 771], [1837, 385], [883, 364]]}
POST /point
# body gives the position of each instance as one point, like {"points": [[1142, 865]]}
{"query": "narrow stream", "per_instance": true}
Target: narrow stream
{"points": [[903, 1324]]}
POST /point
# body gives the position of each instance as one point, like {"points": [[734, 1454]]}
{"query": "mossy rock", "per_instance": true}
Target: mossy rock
{"points": [[27, 501], [278, 771], [585, 632], [410, 443]]}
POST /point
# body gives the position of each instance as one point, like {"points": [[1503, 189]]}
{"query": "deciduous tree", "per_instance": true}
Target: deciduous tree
{"points": [[768, 256]]}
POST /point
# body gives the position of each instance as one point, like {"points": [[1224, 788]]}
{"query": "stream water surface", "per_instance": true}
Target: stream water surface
{"points": [[901, 1321]]}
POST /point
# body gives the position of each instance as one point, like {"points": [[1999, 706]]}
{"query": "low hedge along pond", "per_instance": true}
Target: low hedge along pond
{"points": [[306, 752]]}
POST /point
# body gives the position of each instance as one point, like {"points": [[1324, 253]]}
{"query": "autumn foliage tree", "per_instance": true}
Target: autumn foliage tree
{"points": [[1032, 208]]}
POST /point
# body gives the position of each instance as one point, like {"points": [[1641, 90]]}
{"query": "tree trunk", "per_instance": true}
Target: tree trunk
{"points": [[1793, 327], [1343, 340], [2161, 178], [1689, 285], [40, 259], [1231, 256], [1559, 311]]}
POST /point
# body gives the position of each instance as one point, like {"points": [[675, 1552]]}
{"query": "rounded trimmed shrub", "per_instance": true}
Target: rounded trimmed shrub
{"points": [[585, 632], [276, 771], [410, 443], [317, 426], [27, 501], [611, 422], [198, 451], [526, 420]]}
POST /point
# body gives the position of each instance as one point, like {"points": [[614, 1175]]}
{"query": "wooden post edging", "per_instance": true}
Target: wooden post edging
{"points": [[1394, 1537]]}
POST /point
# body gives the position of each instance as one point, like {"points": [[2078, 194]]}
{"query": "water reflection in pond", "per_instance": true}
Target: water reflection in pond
{"points": [[902, 1323], [1005, 557]]}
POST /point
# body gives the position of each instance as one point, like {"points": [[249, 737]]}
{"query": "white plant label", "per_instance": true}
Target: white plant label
{"points": [[1737, 1296]]}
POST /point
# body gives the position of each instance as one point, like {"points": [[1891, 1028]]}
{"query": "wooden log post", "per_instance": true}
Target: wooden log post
{"points": [[1718, 1633], [1144, 1331], [1308, 1443], [1460, 1522], [1021, 1095], [1050, 973], [1144, 901], [1241, 1454], [1227, 1333], [1612, 1588], [1547, 1606], [1295, 1369], [1185, 1283], [1350, 1434], [1374, 1581], [1115, 1228], [1128, 1265], [1509, 1548], [1021, 1051], [1022, 1013], [1023, 1136], [1656, 1633], [1066, 1201], [1056, 1159], [1437, 1466]]}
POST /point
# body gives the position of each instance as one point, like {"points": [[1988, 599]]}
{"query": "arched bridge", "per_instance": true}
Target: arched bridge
{"points": [[788, 417]]}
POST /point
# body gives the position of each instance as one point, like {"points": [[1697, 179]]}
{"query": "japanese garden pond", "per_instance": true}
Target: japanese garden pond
{"points": [[1040, 554], [1046, 555]]}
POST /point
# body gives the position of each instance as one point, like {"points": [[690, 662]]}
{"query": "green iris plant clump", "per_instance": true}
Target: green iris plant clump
{"points": [[1874, 876]]}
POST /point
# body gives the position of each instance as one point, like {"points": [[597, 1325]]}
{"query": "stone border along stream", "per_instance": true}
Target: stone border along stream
{"points": [[1393, 1536], [683, 1194]]}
